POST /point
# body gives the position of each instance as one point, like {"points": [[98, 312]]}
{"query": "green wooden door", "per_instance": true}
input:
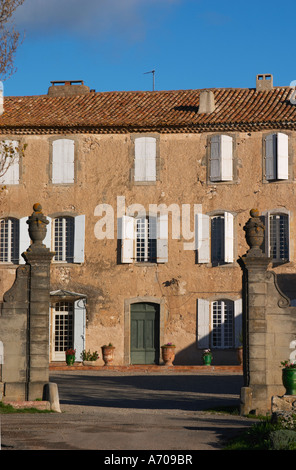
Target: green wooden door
{"points": [[144, 333]]}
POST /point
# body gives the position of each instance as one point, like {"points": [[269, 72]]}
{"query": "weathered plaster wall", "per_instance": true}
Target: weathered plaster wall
{"points": [[103, 171]]}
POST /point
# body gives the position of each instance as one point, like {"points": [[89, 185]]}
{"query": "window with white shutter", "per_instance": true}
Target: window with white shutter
{"points": [[222, 239], [215, 238], [63, 161], [68, 239], [221, 158], [219, 323], [145, 159], [277, 157], [144, 239], [9, 155]]}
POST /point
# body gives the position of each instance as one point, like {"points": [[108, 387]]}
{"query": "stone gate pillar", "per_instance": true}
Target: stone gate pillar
{"points": [[38, 257], [269, 325], [254, 265]]}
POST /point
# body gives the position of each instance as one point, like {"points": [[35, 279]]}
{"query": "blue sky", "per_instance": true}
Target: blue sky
{"points": [[110, 44]]}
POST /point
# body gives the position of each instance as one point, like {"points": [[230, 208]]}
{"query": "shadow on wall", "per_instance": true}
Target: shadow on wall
{"points": [[287, 284], [193, 356]]}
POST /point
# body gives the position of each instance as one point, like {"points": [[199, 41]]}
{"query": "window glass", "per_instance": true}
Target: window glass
{"points": [[9, 241], [217, 240], [63, 326], [279, 237], [222, 324], [145, 240], [64, 239]]}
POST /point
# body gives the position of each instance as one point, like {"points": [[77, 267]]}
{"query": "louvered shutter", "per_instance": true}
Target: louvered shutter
{"points": [[282, 157], [63, 161], [162, 238], [228, 238], [145, 159], [203, 323], [24, 238], [215, 161], [1, 353], [79, 238], [140, 163], [11, 175], [150, 159], [203, 238], [238, 321], [267, 234], [270, 157], [226, 158], [79, 328], [127, 240], [47, 239]]}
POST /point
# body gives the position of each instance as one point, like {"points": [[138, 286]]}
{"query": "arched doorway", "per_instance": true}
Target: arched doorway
{"points": [[144, 333]]}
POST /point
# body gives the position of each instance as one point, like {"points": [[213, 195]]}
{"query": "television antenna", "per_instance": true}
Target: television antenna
{"points": [[153, 73]]}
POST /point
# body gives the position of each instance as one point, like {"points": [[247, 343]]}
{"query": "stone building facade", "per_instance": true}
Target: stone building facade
{"points": [[147, 194]]}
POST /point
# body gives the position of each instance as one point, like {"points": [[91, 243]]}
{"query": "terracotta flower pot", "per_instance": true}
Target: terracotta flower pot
{"points": [[168, 355], [239, 354], [108, 355]]}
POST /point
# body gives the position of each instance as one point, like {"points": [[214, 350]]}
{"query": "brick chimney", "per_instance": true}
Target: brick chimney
{"points": [[264, 82], [68, 88]]}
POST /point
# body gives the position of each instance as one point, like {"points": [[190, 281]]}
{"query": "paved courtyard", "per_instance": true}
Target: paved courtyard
{"points": [[130, 411]]}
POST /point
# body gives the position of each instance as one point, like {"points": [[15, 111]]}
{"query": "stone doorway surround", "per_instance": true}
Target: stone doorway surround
{"points": [[127, 322]]}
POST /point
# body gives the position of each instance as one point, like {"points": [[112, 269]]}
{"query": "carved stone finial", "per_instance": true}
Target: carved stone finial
{"points": [[254, 229], [37, 225]]}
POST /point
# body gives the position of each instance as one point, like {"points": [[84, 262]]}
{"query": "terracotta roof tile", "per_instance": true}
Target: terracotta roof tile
{"points": [[174, 111]]}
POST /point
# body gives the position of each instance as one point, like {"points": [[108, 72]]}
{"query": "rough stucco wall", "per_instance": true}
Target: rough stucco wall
{"points": [[103, 172]]}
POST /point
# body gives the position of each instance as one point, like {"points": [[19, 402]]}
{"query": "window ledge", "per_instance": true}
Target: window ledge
{"points": [[213, 183], [7, 264], [226, 265], [64, 263], [145, 264], [144, 183]]}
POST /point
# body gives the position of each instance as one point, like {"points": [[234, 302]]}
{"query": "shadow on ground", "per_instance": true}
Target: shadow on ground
{"points": [[183, 392]]}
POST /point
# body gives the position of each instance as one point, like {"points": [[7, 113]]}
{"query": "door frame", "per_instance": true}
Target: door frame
{"points": [[127, 322], [79, 321]]}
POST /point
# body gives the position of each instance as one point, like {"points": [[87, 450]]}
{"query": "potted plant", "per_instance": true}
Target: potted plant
{"points": [[70, 356], [108, 354], [168, 353], [89, 358], [289, 377], [207, 357]]}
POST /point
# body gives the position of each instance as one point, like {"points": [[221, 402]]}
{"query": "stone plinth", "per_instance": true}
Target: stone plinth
{"points": [[283, 403]]}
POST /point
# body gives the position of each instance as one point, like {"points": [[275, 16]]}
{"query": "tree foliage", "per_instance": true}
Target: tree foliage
{"points": [[9, 37]]}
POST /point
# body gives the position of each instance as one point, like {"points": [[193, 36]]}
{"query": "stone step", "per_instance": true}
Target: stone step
{"points": [[149, 368]]}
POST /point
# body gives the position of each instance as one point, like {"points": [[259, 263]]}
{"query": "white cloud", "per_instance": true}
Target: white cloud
{"points": [[88, 18]]}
